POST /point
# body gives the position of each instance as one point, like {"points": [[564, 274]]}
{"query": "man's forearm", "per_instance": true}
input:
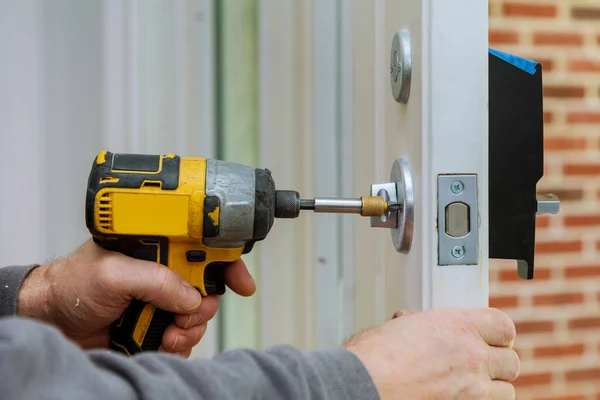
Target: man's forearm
{"points": [[11, 280], [37, 361]]}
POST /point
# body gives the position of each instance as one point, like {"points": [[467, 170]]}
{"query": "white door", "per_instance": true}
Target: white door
{"points": [[441, 130], [331, 127]]}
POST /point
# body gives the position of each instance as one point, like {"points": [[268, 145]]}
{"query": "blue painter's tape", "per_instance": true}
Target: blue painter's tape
{"points": [[519, 62]]}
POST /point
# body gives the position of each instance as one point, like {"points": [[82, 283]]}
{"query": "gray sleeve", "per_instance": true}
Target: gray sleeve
{"points": [[37, 362], [11, 279]]}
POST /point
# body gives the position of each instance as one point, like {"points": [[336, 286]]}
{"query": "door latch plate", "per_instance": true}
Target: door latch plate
{"points": [[458, 242]]}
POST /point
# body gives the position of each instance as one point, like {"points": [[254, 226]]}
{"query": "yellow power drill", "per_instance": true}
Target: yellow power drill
{"points": [[193, 215]]}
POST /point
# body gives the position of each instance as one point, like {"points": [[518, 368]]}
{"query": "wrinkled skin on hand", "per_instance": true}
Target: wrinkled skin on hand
{"points": [[441, 354], [85, 292]]}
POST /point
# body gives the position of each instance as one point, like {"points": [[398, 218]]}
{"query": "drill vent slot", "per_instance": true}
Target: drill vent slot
{"points": [[156, 184], [105, 212], [109, 179]]}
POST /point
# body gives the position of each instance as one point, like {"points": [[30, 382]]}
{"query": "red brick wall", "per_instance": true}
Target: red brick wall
{"points": [[558, 313]]}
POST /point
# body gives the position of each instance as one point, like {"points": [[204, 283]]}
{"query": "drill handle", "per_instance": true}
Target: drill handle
{"points": [[142, 326]]}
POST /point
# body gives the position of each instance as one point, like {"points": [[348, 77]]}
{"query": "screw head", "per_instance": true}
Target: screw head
{"points": [[458, 251], [457, 187]]}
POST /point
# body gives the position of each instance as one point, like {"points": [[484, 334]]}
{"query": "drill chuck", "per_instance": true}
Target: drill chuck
{"points": [[287, 204]]}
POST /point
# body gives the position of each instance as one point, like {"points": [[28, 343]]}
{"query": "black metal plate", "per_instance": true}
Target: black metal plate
{"points": [[516, 157]]}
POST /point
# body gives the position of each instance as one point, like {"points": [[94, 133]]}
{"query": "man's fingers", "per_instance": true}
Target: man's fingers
{"points": [[176, 340], [186, 321], [503, 364], [494, 326], [207, 310], [238, 279], [209, 307], [152, 283], [500, 390], [184, 354]]}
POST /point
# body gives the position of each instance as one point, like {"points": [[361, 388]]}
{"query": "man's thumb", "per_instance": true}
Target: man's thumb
{"points": [[156, 284]]}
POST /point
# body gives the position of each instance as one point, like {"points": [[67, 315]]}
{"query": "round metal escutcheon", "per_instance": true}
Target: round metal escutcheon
{"points": [[402, 235], [400, 66]]}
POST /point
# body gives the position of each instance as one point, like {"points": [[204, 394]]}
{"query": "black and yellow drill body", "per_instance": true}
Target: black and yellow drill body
{"points": [[193, 215]]}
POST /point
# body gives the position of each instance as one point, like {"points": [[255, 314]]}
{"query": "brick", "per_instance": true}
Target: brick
{"points": [[564, 143], [589, 13], [559, 351], [584, 65], [585, 323], [540, 274], [583, 117], [543, 378], [548, 117], [547, 63], [581, 220], [555, 299], [504, 301], [581, 169], [582, 271], [503, 37], [542, 221], [534, 327], [583, 374], [558, 247], [564, 91], [529, 10], [557, 39]]}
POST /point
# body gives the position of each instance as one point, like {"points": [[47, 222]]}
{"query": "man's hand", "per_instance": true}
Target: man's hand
{"points": [[441, 354], [84, 293]]}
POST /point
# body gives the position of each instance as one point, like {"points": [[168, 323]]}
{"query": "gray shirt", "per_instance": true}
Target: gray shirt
{"points": [[38, 362]]}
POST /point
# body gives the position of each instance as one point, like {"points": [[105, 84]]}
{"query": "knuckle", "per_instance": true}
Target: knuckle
{"points": [[457, 318], [477, 390], [506, 324], [515, 367], [475, 357], [201, 332], [107, 269]]}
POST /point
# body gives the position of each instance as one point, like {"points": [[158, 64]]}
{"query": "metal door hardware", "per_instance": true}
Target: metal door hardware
{"points": [[399, 195], [547, 204], [401, 66], [457, 220], [516, 159]]}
